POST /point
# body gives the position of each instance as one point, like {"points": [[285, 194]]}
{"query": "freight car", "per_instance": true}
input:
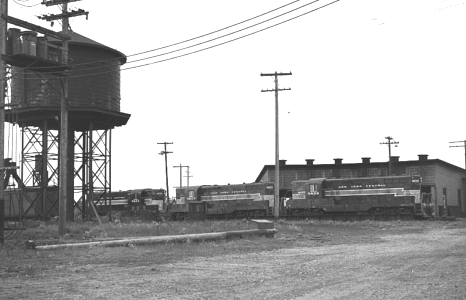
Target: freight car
{"points": [[393, 197], [223, 201]]}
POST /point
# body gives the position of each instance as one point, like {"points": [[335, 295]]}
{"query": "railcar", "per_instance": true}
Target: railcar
{"points": [[223, 201], [391, 197]]}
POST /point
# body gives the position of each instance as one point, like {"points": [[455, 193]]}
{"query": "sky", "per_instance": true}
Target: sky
{"points": [[362, 70]]}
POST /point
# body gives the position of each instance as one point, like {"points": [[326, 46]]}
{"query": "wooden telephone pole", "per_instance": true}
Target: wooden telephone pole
{"points": [[63, 162], [276, 211], [389, 142], [462, 146], [464, 193], [63, 36], [187, 174], [181, 173], [165, 152]]}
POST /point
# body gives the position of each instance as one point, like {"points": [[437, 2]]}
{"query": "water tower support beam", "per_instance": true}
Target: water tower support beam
{"points": [[39, 167], [84, 176], [70, 177], [44, 180], [92, 175], [101, 164], [90, 161]]}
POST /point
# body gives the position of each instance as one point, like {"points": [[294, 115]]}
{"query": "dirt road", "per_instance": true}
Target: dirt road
{"points": [[410, 261]]}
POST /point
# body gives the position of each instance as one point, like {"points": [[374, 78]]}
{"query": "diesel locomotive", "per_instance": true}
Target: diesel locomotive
{"points": [[131, 200], [369, 198], [363, 198], [223, 201], [394, 197]]}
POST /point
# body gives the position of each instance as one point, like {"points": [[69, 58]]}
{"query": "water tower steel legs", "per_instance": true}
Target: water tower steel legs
{"points": [[39, 152], [70, 177], [91, 174], [94, 168], [83, 175], [40, 170], [44, 180]]}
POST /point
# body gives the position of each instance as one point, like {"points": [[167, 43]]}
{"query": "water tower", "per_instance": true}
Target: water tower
{"points": [[93, 111]]}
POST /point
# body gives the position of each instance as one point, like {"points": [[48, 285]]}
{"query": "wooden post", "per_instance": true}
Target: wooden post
{"points": [[276, 211], [63, 172]]}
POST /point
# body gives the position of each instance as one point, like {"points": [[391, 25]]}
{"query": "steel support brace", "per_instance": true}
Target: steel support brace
{"points": [[93, 168], [39, 168]]}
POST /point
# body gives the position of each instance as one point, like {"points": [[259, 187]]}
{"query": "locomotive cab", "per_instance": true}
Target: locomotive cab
{"points": [[135, 201], [307, 195]]}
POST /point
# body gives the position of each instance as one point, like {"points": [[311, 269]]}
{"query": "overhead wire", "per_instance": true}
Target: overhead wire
{"points": [[216, 31], [185, 41], [235, 39], [191, 39], [210, 47], [18, 2], [225, 35], [186, 54], [223, 43]]}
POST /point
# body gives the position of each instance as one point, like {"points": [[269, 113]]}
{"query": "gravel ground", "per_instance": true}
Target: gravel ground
{"points": [[422, 260]]}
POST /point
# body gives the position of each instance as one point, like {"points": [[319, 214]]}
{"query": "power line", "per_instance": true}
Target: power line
{"points": [[18, 2], [210, 47], [225, 35], [191, 39], [203, 49]]}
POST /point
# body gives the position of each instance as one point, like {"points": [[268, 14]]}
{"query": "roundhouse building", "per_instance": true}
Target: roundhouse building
{"points": [[445, 181]]}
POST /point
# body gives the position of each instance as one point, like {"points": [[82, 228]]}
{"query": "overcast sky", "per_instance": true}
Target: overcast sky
{"points": [[362, 70]]}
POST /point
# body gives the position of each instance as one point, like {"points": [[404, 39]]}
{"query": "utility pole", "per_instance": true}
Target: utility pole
{"points": [[181, 174], [389, 142], [4, 20], [3, 32], [165, 152], [463, 146], [63, 179], [187, 174], [63, 162], [276, 211]]}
